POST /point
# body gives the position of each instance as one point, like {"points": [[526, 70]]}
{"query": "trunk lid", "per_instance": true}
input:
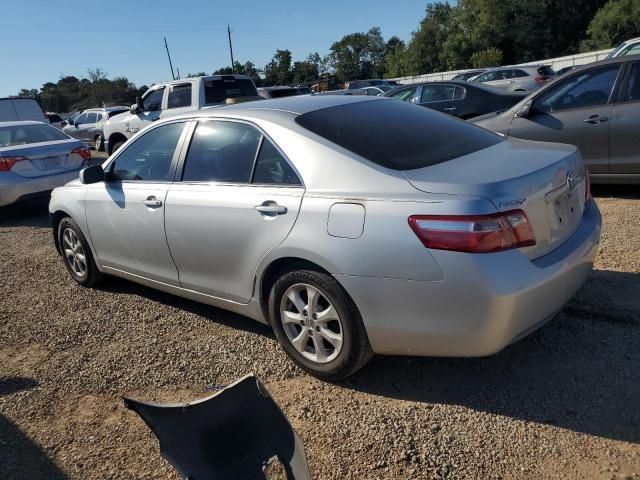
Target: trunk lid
{"points": [[44, 158], [546, 180]]}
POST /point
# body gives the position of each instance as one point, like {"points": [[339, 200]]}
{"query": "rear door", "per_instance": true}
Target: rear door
{"points": [[447, 98], [624, 140], [125, 214], [238, 199], [577, 110]]}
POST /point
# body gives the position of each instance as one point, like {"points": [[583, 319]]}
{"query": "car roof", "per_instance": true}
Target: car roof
{"points": [[17, 123], [276, 87], [607, 61]]}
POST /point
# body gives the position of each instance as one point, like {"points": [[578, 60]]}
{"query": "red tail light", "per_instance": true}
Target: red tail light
{"points": [[474, 233], [541, 79], [83, 152], [6, 163]]}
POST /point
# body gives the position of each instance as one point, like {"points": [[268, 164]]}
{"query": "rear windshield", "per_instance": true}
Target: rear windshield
{"points": [[217, 91], [26, 134], [284, 92], [546, 71], [396, 134], [115, 112]]}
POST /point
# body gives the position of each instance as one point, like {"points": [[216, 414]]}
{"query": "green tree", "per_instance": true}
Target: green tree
{"points": [[491, 57], [424, 50], [359, 55], [278, 71], [616, 21]]}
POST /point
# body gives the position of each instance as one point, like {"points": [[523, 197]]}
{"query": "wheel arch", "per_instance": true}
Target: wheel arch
{"points": [[56, 218], [115, 138]]}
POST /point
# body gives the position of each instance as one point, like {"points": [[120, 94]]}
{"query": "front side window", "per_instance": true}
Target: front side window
{"points": [[487, 77], [149, 157], [153, 101], [179, 96], [81, 119], [405, 94], [585, 89], [272, 168], [99, 117], [221, 152]]}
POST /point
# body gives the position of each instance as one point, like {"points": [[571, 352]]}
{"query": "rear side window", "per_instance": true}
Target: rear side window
{"points": [[632, 50], [217, 91], [284, 92], [26, 134], [179, 96], [221, 152], [520, 73], [632, 90], [92, 118], [272, 168], [397, 135]]}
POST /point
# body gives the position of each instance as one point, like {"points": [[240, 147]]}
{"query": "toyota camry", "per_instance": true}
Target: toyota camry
{"points": [[352, 225]]}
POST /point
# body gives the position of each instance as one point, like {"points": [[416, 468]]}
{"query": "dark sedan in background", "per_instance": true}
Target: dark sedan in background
{"points": [[595, 107], [456, 97]]}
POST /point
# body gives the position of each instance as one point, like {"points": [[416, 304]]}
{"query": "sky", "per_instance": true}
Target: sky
{"points": [[44, 39]]}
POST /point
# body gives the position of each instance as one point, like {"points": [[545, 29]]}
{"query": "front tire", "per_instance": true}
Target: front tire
{"points": [[116, 146], [76, 254], [318, 325]]}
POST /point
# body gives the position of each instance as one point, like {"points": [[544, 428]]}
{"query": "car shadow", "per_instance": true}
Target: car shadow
{"points": [[214, 314], [579, 372], [21, 457], [631, 192], [31, 213]]}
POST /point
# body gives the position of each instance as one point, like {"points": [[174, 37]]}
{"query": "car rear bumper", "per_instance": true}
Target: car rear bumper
{"points": [[15, 187], [485, 302]]}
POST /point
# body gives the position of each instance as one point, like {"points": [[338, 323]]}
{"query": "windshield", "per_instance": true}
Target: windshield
{"points": [[613, 52], [408, 136], [26, 134]]}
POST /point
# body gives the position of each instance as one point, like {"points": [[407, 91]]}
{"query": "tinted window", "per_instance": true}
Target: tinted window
{"points": [[55, 118], [115, 112], [632, 92], [81, 119], [272, 168], [25, 134], [437, 93], [221, 152], [99, 117], [413, 137], [217, 91], [519, 73], [179, 96], [405, 94], [149, 156], [284, 92], [92, 118], [153, 101], [546, 71], [585, 89]]}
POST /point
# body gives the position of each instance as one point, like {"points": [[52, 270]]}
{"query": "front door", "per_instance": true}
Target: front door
{"points": [[226, 214], [577, 111], [625, 124], [125, 214]]}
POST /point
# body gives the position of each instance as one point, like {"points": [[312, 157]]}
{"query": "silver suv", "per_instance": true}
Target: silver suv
{"points": [[88, 126], [516, 79]]}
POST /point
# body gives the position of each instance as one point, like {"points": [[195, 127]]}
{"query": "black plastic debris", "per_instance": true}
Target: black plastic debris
{"points": [[238, 432]]}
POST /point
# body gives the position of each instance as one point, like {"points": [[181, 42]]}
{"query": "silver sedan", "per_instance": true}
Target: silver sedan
{"points": [[35, 158], [351, 225]]}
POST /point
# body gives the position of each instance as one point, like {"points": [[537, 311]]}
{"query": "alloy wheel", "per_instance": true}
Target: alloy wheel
{"points": [[311, 322], [74, 253]]}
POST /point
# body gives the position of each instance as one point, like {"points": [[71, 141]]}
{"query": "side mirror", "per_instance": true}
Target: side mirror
{"points": [[137, 107], [525, 110], [92, 174]]}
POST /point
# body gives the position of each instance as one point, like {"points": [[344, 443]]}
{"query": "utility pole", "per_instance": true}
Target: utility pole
{"points": [[178, 70], [169, 55], [233, 69]]}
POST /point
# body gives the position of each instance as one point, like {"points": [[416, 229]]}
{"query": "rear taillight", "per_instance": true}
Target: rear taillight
{"points": [[587, 186], [474, 233], [6, 163], [541, 79], [83, 152]]}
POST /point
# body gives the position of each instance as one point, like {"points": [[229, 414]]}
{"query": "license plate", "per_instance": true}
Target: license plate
{"points": [[566, 208], [50, 163]]}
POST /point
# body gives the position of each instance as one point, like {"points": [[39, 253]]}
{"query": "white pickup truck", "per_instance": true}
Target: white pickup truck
{"points": [[171, 98]]}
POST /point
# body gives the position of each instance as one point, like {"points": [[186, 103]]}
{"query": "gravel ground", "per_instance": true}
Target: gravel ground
{"points": [[563, 403]]}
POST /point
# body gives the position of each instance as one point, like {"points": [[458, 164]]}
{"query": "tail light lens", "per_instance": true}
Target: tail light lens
{"points": [[474, 233], [541, 79], [6, 163], [83, 152]]}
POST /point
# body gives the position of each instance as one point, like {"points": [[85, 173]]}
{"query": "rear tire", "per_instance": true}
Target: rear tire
{"points": [[99, 143], [322, 329], [116, 146], [76, 254]]}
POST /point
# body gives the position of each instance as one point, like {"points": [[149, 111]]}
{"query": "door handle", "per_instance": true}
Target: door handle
{"points": [[595, 119], [152, 202], [271, 208], [450, 109]]}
